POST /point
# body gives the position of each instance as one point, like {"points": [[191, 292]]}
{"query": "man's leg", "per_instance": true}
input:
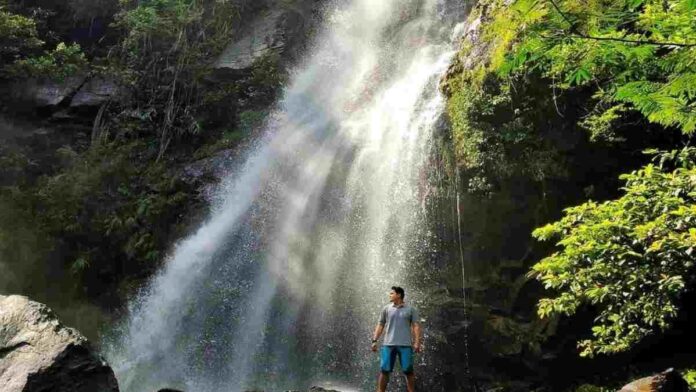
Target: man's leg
{"points": [[382, 382], [387, 360], [406, 358], [410, 382]]}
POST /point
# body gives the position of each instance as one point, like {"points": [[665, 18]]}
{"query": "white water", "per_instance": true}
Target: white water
{"points": [[281, 286]]}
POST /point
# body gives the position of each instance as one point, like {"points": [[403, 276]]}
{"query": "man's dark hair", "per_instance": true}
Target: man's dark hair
{"points": [[399, 291]]}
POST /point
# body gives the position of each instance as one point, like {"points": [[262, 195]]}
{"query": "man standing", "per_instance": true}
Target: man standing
{"points": [[401, 339]]}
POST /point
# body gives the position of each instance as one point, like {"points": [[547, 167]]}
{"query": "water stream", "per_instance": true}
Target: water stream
{"points": [[281, 286]]}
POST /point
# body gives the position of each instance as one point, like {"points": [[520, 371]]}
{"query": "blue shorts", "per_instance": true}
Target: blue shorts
{"points": [[389, 354]]}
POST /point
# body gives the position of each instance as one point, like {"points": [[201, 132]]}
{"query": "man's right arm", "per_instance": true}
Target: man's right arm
{"points": [[379, 328], [375, 336], [378, 332]]}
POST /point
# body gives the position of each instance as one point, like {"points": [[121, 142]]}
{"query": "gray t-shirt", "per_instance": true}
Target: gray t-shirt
{"points": [[397, 324]]}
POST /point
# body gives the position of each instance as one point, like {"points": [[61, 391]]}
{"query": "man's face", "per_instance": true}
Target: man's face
{"points": [[393, 296]]}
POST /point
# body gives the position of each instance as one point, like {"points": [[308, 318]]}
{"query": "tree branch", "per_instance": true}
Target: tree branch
{"points": [[578, 34]]}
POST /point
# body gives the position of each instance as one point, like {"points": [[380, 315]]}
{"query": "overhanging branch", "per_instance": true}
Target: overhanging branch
{"points": [[578, 34]]}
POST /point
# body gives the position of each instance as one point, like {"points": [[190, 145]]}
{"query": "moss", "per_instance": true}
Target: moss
{"points": [[499, 130], [499, 123]]}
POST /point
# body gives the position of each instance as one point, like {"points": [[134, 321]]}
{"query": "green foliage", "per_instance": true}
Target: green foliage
{"points": [[248, 120], [18, 36], [156, 24], [637, 55], [106, 213], [498, 131], [605, 67], [689, 376], [20, 51], [79, 265], [63, 61], [96, 199], [167, 50], [631, 257], [266, 75]]}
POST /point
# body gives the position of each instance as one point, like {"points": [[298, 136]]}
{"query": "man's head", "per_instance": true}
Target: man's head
{"points": [[396, 294]]}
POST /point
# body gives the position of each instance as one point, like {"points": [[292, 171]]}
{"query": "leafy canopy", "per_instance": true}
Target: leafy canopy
{"points": [[632, 257], [63, 61], [18, 35], [634, 54], [21, 50]]}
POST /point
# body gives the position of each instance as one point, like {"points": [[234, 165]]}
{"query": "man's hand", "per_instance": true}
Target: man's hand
{"points": [[417, 347], [374, 347]]}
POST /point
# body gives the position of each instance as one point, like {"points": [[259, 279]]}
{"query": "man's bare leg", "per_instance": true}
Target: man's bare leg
{"points": [[382, 382], [411, 382]]}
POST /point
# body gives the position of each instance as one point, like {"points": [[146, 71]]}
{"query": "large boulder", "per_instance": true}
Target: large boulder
{"points": [[38, 353], [42, 92], [273, 32], [97, 91], [77, 91], [667, 381]]}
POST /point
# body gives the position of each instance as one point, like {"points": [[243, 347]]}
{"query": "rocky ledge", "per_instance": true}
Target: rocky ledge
{"points": [[38, 353]]}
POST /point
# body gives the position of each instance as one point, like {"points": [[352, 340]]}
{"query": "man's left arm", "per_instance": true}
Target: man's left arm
{"points": [[416, 332]]}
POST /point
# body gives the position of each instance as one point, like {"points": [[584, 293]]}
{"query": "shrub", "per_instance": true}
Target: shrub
{"points": [[631, 258]]}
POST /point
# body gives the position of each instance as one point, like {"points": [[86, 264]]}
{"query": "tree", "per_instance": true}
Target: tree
{"points": [[632, 258], [21, 51], [635, 55], [18, 36]]}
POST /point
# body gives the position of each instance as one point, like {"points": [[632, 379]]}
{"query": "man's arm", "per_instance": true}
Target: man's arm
{"points": [[416, 334], [375, 336], [378, 331]]}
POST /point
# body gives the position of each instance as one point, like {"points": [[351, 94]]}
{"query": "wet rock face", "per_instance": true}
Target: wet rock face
{"points": [[74, 92], [97, 91], [266, 35], [277, 30], [38, 353], [46, 92], [667, 381]]}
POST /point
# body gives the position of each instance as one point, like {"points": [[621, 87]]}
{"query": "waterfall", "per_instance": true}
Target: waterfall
{"points": [[281, 286]]}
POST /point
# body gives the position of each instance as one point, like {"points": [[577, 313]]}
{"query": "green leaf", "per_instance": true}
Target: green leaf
{"points": [[579, 77]]}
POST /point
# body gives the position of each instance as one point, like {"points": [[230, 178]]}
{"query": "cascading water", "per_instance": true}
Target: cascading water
{"points": [[282, 285]]}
